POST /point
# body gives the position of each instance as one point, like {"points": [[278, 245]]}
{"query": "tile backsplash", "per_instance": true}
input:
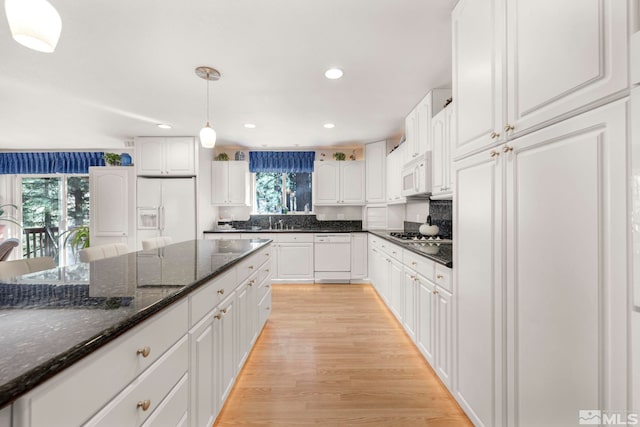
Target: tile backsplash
{"points": [[441, 212]]}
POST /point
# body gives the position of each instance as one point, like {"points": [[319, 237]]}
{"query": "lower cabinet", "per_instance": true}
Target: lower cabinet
{"points": [[175, 369], [410, 292], [295, 258], [358, 256], [426, 315], [396, 300]]}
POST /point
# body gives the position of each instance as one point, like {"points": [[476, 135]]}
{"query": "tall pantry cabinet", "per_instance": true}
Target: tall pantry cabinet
{"points": [[540, 146]]}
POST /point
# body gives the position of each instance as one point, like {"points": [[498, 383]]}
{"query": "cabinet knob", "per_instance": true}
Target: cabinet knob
{"points": [[268, 308], [223, 311], [439, 276], [251, 283], [508, 127], [436, 292], [414, 263], [494, 135], [221, 291], [267, 270], [413, 277], [507, 149], [268, 286], [144, 404], [145, 351], [494, 153], [217, 317], [250, 267]]}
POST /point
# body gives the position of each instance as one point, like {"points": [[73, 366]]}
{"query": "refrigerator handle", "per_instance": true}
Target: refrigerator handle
{"points": [[162, 218]]}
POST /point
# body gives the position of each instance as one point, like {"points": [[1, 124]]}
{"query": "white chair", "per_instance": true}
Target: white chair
{"points": [[94, 253], [156, 242], [6, 247], [19, 267]]}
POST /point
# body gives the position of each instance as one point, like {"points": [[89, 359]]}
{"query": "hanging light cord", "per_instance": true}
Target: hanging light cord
{"points": [[208, 124]]}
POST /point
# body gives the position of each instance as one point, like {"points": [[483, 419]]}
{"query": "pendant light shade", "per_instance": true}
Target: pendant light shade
{"points": [[35, 24], [207, 134]]}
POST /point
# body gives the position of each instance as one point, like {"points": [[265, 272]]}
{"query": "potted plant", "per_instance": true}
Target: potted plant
{"points": [[339, 156], [77, 238], [222, 157], [112, 159]]}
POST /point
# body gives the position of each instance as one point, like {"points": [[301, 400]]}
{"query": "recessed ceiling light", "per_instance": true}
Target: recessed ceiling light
{"points": [[329, 125], [164, 126], [249, 125], [333, 73]]}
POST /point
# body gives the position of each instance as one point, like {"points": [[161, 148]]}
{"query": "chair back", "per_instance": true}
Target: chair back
{"points": [[94, 253], [6, 247], [19, 267], [156, 242]]}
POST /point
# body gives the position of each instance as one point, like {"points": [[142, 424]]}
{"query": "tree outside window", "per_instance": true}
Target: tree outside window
{"points": [[277, 192]]}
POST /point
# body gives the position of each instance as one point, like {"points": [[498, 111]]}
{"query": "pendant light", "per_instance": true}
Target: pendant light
{"points": [[35, 24], [207, 134]]}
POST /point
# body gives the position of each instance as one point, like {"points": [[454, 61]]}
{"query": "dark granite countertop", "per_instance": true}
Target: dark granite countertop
{"points": [[51, 319], [441, 253], [287, 231]]}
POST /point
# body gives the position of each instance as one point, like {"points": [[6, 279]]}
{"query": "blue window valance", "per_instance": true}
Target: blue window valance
{"points": [[50, 162], [281, 161]]}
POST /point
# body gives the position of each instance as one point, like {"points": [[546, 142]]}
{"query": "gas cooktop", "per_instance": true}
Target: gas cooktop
{"points": [[414, 236]]}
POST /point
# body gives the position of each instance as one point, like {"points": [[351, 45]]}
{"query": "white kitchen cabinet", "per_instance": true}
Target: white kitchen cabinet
{"points": [[295, 257], [246, 303], [395, 161], [5, 416], [443, 336], [203, 368], [229, 183], [227, 354], [396, 293], [375, 159], [562, 184], [426, 315], [174, 409], [441, 160], [358, 256], [410, 293], [549, 75], [172, 156], [109, 202], [418, 123], [339, 183]]}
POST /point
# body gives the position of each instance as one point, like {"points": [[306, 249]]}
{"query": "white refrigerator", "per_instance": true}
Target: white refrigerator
{"points": [[166, 207], [635, 217]]}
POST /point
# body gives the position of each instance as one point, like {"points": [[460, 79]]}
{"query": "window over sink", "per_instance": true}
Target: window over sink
{"points": [[277, 192]]}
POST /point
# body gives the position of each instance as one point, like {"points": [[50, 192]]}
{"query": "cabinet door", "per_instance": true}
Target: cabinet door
{"points": [[295, 260], [396, 301], [227, 349], [245, 326], [444, 336], [578, 279], [438, 156], [174, 409], [326, 183], [149, 156], [358, 255], [478, 83], [395, 162], [409, 319], [237, 182], [219, 183], [411, 137], [352, 182], [424, 112], [109, 204], [179, 156], [426, 316], [376, 164], [479, 287], [202, 339], [450, 126], [579, 58]]}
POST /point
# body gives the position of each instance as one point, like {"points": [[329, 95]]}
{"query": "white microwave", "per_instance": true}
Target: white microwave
{"points": [[416, 176]]}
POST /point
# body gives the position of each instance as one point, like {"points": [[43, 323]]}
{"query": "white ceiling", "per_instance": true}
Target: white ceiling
{"points": [[122, 66]]}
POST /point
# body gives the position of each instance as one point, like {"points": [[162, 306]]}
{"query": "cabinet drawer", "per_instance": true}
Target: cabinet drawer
{"points": [[266, 236], [211, 294], [420, 264], [173, 410], [249, 266], [264, 308], [295, 238], [443, 277], [91, 383], [147, 391]]}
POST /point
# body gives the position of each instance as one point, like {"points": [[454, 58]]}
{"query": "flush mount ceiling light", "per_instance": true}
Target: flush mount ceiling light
{"points": [[333, 73], [164, 126], [35, 24], [329, 125], [207, 134], [249, 125]]}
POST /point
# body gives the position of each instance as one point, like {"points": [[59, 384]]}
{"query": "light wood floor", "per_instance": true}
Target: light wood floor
{"points": [[333, 355]]}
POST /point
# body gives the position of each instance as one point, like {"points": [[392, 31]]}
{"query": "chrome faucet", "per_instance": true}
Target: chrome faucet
{"points": [[270, 224]]}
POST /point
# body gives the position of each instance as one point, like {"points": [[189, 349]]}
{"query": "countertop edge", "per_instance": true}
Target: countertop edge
{"points": [[19, 386], [409, 248], [266, 231]]}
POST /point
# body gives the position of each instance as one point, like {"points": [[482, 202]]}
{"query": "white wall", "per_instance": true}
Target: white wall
{"points": [[417, 211]]}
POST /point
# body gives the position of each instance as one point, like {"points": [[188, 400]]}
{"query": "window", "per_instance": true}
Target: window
{"points": [[50, 206], [277, 192]]}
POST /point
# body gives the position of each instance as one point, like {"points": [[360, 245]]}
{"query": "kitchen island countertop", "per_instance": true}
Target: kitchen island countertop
{"points": [[51, 319]]}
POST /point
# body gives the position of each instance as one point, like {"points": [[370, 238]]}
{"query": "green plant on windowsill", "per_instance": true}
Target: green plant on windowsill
{"points": [[77, 238], [112, 159]]}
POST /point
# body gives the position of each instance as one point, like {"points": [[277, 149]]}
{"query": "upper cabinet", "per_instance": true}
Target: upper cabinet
{"points": [[578, 60], [395, 161], [338, 183], [229, 182], [172, 156], [441, 131], [418, 123], [375, 159]]}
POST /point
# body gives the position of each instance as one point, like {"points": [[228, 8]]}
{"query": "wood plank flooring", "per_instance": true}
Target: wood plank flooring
{"points": [[333, 355]]}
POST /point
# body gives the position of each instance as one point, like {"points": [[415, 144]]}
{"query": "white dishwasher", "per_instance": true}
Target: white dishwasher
{"points": [[332, 257]]}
